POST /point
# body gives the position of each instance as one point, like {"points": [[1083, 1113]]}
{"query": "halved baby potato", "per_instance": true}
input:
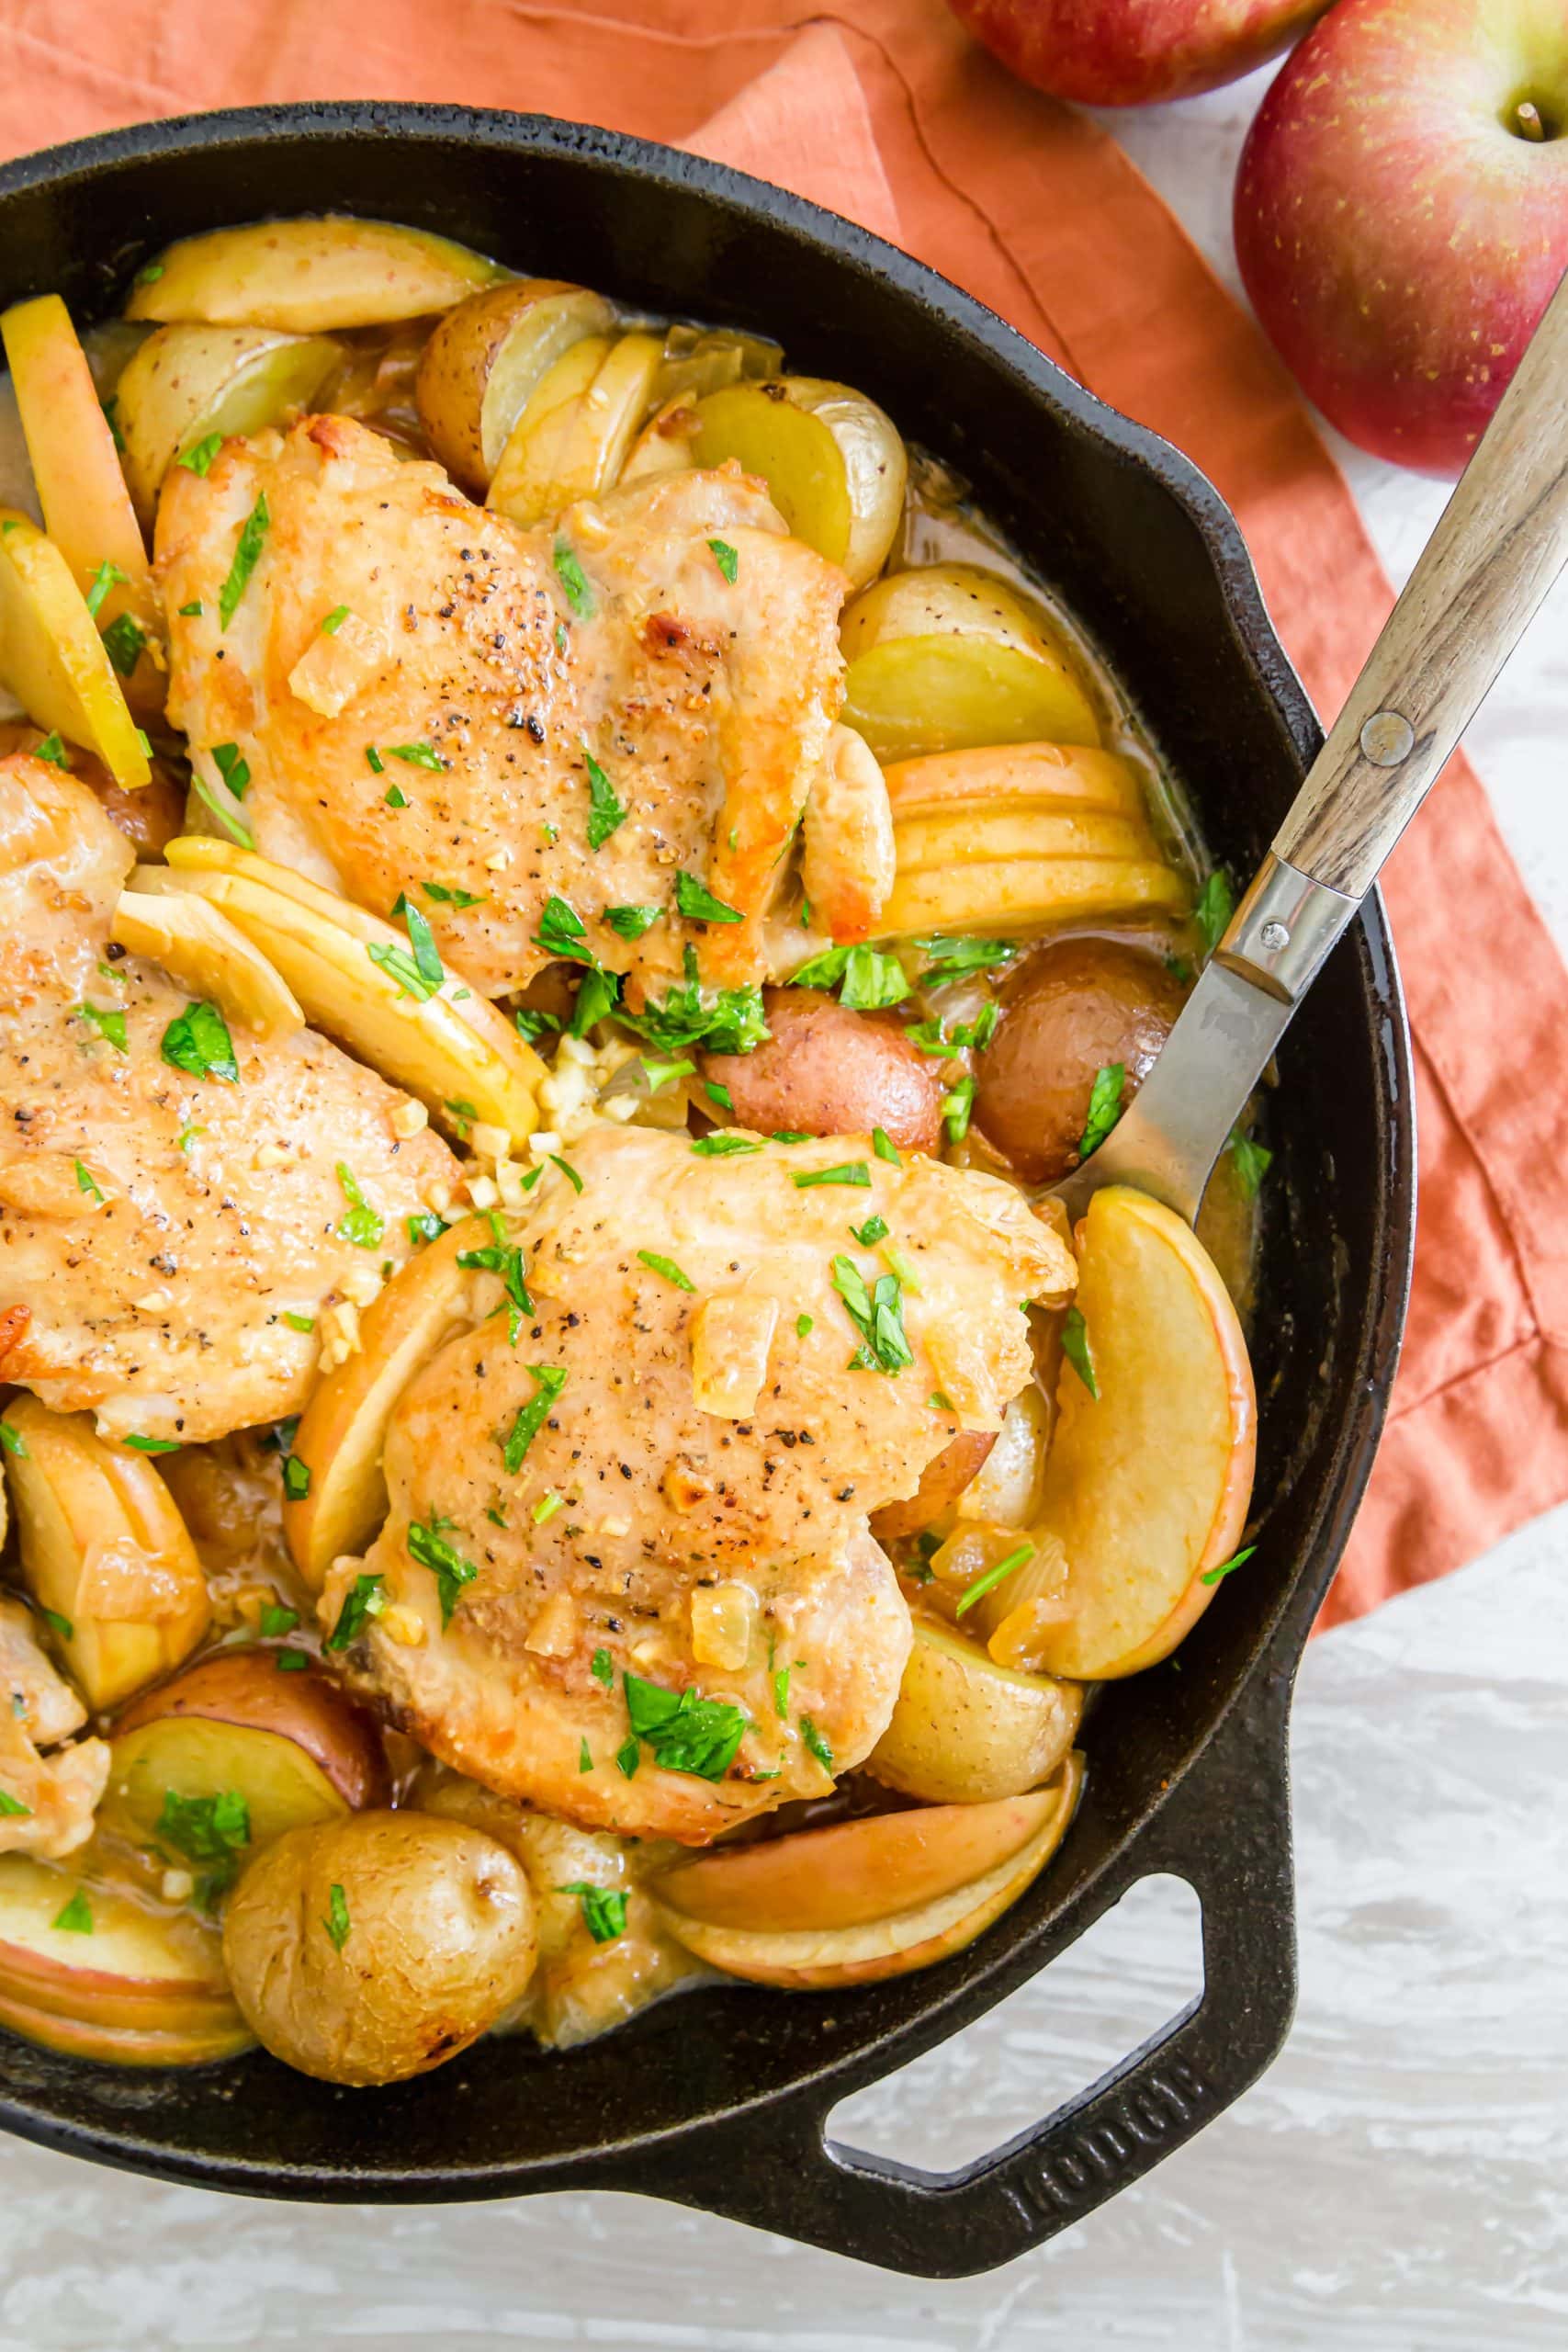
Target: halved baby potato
{"points": [[571, 440], [442, 1048], [1148, 1484], [293, 1745], [833, 461], [308, 277], [127, 1985], [966, 1730], [197, 944], [949, 657], [865, 1899], [86, 508], [53, 659], [104, 1551], [485, 361], [344, 1428], [184, 383]]}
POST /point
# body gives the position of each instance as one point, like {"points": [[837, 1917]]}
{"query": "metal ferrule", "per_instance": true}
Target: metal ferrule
{"points": [[1283, 929]]}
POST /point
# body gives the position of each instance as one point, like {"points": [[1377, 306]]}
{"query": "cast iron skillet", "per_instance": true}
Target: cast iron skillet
{"points": [[719, 2099]]}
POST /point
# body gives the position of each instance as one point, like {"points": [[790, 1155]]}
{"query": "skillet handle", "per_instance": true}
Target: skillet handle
{"points": [[1223, 1829]]}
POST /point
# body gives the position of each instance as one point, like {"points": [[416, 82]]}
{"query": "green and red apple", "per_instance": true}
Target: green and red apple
{"points": [[1134, 53]]}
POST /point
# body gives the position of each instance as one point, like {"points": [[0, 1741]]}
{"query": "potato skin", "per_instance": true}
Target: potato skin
{"points": [[1073, 1008], [942, 1482], [441, 1943], [967, 1730], [829, 1072]]}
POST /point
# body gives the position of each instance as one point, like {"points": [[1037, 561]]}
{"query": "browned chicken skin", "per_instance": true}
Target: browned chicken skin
{"points": [[693, 1504], [512, 665], [142, 1276]]}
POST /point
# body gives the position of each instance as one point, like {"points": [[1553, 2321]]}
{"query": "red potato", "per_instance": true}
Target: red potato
{"points": [[1073, 1009], [829, 1071]]}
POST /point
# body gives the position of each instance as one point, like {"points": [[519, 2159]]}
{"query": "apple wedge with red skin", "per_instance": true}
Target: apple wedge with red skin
{"points": [[866, 1900], [1134, 53], [140, 1988], [1147, 1483]]}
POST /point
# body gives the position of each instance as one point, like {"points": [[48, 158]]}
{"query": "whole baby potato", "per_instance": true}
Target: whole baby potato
{"points": [[1074, 1009], [827, 1071], [367, 1950]]}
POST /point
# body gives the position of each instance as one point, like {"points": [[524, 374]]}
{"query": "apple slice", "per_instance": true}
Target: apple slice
{"points": [[131, 1986], [450, 1046], [292, 1745], [184, 383], [86, 506], [308, 277], [104, 1551], [344, 1428], [966, 1730], [1148, 1485], [197, 945], [53, 657], [865, 1899]]}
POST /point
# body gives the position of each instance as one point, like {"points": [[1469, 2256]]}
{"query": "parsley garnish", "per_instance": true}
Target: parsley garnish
{"points": [[546, 1507], [361, 1226], [291, 1661], [668, 1268], [198, 458], [659, 1074], [76, 1919], [416, 755], [277, 1618], [364, 1601], [597, 995], [574, 579], [110, 1023], [52, 750], [584, 1757], [874, 1230], [505, 1259], [686, 1733], [13, 1807], [1250, 1161], [198, 1042], [877, 1315], [296, 1478], [602, 1668], [817, 1744], [728, 1021], [429, 1546], [1015, 1559], [108, 575], [697, 902], [1216, 904], [1074, 1347], [377, 767], [630, 922], [446, 894], [337, 1922], [213, 1829], [140, 1444], [604, 809], [61, 1627], [723, 555], [87, 1183], [872, 979], [298, 1322], [192, 612], [247, 554], [15, 1444], [573, 1178], [548, 1379], [533, 1026], [234, 769], [561, 931], [803, 1324], [628, 1756], [424, 1226], [422, 939], [124, 640], [334, 620], [882, 1144], [949, 959], [1212, 1576], [780, 1690], [400, 966], [1104, 1107], [395, 796], [956, 1106], [722, 1145], [226, 817], [603, 1908], [848, 1171], [717, 1093]]}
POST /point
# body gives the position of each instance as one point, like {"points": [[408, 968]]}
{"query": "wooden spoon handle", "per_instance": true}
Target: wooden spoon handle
{"points": [[1499, 543]]}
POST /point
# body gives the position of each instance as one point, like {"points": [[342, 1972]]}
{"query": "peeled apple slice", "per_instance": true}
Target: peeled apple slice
{"points": [[445, 1047], [308, 277], [52, 656], [833, 461], [184, 383], [197, 945]]}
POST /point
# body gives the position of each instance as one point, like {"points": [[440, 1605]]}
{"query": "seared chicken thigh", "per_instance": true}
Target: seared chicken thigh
{"points": [[426, 694], [668, 1475], [159, 1228]]}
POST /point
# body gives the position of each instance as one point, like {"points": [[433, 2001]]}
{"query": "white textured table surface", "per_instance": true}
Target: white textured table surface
{"points": [[1398, 2182]]}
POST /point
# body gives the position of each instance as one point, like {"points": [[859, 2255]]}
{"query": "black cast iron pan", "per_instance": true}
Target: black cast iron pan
{"points": [[719, 2098]]}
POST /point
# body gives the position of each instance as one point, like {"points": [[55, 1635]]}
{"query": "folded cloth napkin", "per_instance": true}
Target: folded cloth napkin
{"points": [[884, 111]]}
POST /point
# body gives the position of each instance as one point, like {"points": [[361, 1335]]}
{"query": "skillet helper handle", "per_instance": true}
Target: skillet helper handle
{"points": [[1499, 543], [1222, 1829]]}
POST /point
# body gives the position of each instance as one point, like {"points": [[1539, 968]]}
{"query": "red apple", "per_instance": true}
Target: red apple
{"points": [[1402, 214], [1132, 53]]}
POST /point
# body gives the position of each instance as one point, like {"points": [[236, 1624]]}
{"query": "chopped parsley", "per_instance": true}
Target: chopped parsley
{"points": [[602, 1668], [685, 1733], [422, 940], [1212, 1576], [1004, 1567], [872, 979], [296, 1478], [567, 1171], [148, 273], [603, 1908], [110, 1023], [247, 555], [108, 575], [112, 421], [361, 1224], [803, 1324], [337, 1922], [1250, 1161], [630, 922], [298, 1322], [140, 1444], [198, 458], [76, 1919], [597, 995], [561, 931], [214, 1830], [956, 1106], [659, 1074], [718, 1093], [1104, 1107], [584, 1757], [574, 579], [877, 1315], [124, 641], [668, 1268], [817, 1744], [226, 817], [847, 1172], [61, 1627], [446, 894], [15, 1444], [1216, 904], [780, 1690], [277, 1618], [234, 769], [424, 1226], [334, 620], [416, 755], [87, 1183], [697, 902], [429, 1546], [376, 765], [364, 1601], [605, 810], [628, 1756], [1074, 1347], [505, 1259], [533, 1026], [882, 1144], [395, 796], [874, 1230], [291, 1661], [548, 1379], [192, 612], [52, 750], [546, 1507], [950, 959], [198, 1042], [727, 1021], [12, 1806], [722, 1145], [723, 555]]}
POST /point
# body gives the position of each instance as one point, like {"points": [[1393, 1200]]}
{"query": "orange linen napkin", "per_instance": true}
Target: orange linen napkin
{"points": [[884, 111]]}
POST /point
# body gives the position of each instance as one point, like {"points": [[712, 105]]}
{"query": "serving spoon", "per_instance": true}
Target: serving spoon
{"points": [[1499, 543]]}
